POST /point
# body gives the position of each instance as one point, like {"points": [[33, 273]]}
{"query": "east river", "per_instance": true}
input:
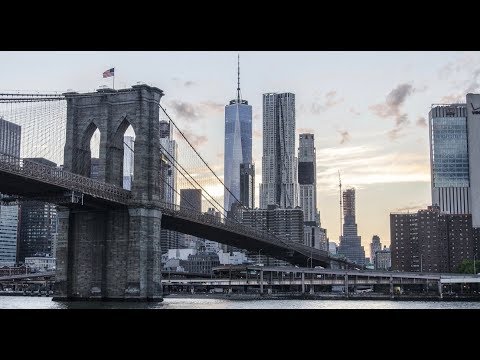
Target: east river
{"points": [[28, 302]]}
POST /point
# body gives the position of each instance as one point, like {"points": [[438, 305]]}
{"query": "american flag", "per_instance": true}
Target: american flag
{"points": [[109, 72]]}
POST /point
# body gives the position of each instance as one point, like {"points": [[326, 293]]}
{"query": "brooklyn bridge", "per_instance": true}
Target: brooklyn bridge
{"points": [[108, 243]]}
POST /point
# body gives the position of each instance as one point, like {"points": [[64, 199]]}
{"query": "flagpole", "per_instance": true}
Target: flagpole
{"points": [[113, 78]]}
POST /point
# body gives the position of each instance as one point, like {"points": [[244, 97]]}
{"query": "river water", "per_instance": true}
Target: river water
{"points": [[27, 302]]}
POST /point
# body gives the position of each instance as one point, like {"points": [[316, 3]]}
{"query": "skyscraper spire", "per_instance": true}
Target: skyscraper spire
{"points": [[238, 82]]}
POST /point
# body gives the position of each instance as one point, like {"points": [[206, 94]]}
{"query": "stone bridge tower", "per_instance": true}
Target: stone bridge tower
{"points": [[113, 252]]}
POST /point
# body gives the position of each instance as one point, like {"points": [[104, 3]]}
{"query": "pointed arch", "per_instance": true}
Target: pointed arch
{"points": [[121, 156], [83, 159], [87, 135]]}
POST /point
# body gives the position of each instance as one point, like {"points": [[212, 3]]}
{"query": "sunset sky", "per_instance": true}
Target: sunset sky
{"points": [[368, 110]]}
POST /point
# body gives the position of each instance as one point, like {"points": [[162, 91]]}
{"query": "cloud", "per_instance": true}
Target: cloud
{"points": [[330, 101], [446, 70], [305, 130], [454, 98], [189, 83], [364, 165], [208, 106], [464, 72], [345, 136], [421, 121], [411, 208], [193, 112], [353, 111], [393, 102], [391, 108], [184, 110], [193, 138], [473, 84], [395, 133]]}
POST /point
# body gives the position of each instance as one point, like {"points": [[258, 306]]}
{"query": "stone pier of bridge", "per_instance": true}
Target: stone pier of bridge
{"points": [[113, 252]]}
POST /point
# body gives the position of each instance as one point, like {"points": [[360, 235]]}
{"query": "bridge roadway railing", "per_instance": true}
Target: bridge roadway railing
{"points": [[234, 226], [56, 176]]}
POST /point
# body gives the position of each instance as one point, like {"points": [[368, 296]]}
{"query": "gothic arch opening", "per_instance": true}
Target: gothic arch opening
{"points": [[121, 158], [128, 157], [95, 155], [88, 154]]}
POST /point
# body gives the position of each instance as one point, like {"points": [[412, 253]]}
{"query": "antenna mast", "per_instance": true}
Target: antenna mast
{"points": [[340, 186], [238, 80]]}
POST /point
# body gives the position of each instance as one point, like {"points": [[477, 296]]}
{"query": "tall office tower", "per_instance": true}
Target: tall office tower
{"points": [[431, 241], [238, 143], [169, 239], [286, 223], [8, 234], [449, 161], [279, 164], [213, 246], [95, 169], [10, 136], [37, 223], [247, 185], [128, 161], [307, 177], [169, 148], [38, 227], [375, 246], [350, 243], [166, 131], [473, 127], [315, 237], [383, 259], [191, 199]]}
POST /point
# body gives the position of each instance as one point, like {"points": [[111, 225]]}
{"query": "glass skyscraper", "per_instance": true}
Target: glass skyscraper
{"points": [[238, 144], [449, 162], [8, 234], [10, 137], [128, 161], [473, 125]]}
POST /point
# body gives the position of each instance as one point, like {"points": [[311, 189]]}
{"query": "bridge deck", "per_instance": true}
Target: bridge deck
{"points": [[28, 178], [39, 181]]}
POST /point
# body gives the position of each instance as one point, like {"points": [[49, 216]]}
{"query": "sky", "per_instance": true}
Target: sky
{"points": [[367, 110]]}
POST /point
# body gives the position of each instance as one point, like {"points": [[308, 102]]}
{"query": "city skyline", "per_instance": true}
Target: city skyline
{"points": [[378, 138]]}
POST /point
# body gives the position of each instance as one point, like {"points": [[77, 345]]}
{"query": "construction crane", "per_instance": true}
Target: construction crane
{"points": [[340, 187]]}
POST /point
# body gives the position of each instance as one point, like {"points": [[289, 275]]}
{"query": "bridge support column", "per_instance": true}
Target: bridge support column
{"points": [[63, 255], [261, 281], [440, 292], [144, 276], [303, 283]]}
